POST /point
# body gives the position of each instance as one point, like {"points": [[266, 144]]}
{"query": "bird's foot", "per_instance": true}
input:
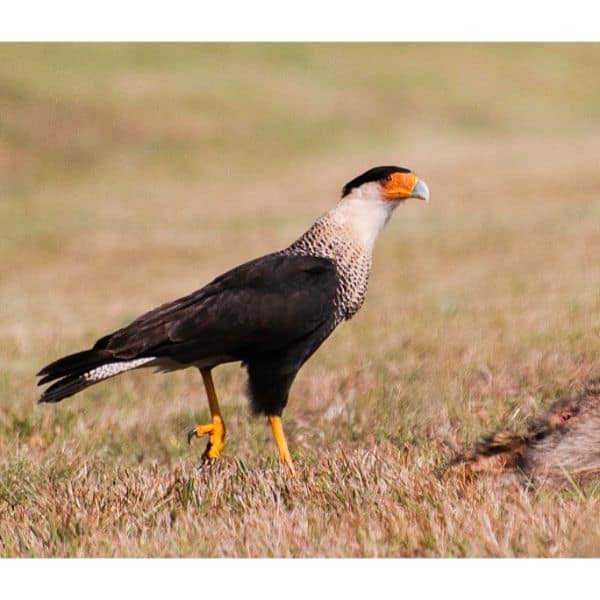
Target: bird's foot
{"points": [[284, 454], [286, 461], [216, 437]]}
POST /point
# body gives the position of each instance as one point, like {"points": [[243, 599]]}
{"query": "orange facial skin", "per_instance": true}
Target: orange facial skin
{"points": [[399, 186]]}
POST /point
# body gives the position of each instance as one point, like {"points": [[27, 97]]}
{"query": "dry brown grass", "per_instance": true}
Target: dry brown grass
{"points": [[137, 174], [374, 501]]}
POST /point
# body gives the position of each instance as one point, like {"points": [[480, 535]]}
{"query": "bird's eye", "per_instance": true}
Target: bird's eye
{"points": [[387, 178]]}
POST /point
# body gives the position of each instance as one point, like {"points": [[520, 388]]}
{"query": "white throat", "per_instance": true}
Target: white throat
{"points": [[363, 213]]}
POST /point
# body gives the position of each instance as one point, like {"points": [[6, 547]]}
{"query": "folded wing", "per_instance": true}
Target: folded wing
{"points": [[258, 308]]}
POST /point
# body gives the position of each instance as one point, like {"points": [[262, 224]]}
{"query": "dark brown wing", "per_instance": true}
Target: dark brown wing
{"points": [[256, 308]]}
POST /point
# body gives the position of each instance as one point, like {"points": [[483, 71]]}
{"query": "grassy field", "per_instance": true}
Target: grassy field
{"points": [[132, 174]]}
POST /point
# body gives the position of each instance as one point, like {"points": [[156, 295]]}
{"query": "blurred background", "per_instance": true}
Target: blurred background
{"points": [[133, 173]]}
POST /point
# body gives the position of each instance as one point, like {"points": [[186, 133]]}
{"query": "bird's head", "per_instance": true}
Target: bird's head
{"points": [[369, 200], [387, 184]]}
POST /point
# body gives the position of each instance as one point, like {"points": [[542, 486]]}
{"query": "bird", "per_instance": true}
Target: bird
{"points": [[271, 313]]}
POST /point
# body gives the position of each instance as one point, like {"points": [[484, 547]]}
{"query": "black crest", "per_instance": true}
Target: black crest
{"points": [[375, 174]]}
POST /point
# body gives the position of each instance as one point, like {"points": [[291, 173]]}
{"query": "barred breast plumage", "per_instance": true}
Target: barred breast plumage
{"points": [[330, 239]]}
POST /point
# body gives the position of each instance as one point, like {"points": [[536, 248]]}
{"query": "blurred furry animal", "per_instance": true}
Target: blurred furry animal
{"points": [[562, 446]]}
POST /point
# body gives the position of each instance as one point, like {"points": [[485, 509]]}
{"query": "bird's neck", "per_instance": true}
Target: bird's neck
{"points": [[346, 235], [348, 231], [362, 216]]}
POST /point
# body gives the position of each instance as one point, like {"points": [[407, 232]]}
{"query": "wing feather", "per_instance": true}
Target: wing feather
{"points": [[257, 307]]}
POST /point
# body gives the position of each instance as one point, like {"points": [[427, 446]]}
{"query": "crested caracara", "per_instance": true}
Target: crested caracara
{"points": [[271, 313]]}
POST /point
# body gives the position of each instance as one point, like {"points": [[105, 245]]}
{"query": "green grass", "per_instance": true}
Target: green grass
{"points": [[131, 174]]}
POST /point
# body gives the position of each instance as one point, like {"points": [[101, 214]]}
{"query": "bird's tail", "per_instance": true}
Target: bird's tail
{"points": [[65, 387], [78, 371]]}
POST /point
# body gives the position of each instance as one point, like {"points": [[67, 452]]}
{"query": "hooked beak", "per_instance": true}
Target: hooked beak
{"points": [[420, 191], [401, 186]]}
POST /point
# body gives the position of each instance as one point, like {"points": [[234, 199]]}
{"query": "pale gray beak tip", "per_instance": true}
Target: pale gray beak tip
{"points": [[421, 191]]}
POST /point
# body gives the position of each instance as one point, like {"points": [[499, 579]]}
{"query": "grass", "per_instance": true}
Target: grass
{"points": [[131, 174]]}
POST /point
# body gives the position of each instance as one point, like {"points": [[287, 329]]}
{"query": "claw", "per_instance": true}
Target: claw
{"points": [[284, 453], [191, 435], [216, 440]]}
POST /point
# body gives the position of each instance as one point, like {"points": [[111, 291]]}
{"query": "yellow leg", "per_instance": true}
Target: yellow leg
{"points": [[284, 453], [216, 428]]}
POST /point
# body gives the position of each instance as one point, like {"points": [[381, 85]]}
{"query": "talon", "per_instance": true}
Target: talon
{"points": [[210, 454], [289, 465], [284, 453], [191, 435], [216, 440], [199, 431]]}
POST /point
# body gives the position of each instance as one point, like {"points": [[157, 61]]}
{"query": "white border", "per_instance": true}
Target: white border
{"points": [[289, 579], [308, 20], [419, 20]]}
